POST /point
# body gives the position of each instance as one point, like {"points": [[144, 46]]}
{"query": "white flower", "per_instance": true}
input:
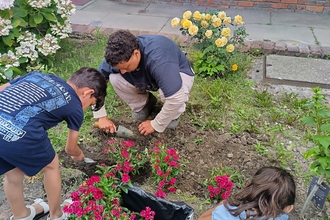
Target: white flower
{"points": [[48, 45], [65, 8], [5, 26], [39, 3], [8, 60], [27, 46], [61, 30], [6, 4]]}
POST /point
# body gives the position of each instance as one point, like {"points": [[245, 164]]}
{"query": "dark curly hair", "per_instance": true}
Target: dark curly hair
{"points": [[270, 191], [91, 78], [120, 47]]}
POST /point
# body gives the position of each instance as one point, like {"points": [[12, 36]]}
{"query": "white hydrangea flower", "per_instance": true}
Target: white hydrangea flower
{"points": [[39, 3], [48, 45], [9, 59], [60, 30], [27, 46], [65, 8], [6, 4], [35, 66], [5, 26]]}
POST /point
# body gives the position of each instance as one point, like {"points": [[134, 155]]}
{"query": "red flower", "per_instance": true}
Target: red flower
{"points": [[160, 193], [125, 178], [125, 154]]}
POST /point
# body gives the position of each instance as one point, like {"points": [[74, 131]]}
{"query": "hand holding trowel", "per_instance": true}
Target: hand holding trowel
{"points": [[121, 131]]}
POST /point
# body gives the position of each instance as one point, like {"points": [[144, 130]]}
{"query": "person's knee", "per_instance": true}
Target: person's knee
{"points": [[53, 166], [14, 176]]}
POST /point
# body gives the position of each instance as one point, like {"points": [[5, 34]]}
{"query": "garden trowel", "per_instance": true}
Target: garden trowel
{"points": [[121, 131]]}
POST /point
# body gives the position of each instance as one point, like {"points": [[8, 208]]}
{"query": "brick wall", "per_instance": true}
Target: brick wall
{"points": [[312, 6]]}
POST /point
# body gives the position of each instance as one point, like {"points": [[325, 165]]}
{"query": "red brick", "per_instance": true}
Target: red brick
{"points": [[272, 1], [302, 2], [289, 1], [257, 0], [245, 4], [280, 6], [314, 8]]}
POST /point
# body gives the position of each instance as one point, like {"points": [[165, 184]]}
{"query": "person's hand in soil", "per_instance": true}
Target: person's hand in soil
{"points": [[79, 157], [145, 128], [106, 125]]}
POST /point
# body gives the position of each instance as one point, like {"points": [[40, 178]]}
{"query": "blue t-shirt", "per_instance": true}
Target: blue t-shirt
{"points": [[160, 65], [221, 213], [31, 105]]}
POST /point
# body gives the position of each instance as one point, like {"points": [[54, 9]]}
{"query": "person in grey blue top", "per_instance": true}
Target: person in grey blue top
{"points": [[136, 65], [270, 195]]}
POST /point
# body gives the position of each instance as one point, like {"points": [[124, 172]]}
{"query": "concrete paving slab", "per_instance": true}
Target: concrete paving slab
{"points": [[275, 33], [299, 19], [322, 36], [86, 17], [298, 68], [116, 7], [170, 11], [135, 22]]}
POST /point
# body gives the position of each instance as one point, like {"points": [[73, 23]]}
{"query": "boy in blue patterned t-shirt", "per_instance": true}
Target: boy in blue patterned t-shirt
{"points": [[29, 106]]}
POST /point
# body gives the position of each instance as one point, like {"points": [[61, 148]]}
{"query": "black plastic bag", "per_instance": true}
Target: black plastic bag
{"points": [[137, 200]]}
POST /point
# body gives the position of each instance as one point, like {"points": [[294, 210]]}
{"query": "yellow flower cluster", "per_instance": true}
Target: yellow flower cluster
{"points": [[206, 24]]}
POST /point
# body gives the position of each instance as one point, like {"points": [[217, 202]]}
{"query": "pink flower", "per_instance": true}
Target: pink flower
{"points": [[171, 189], [93, 179], [112, 141], [167, 158], [160, 193], [160, 173], [161, 184], [127, 143], [171, 151], [125, 154], [173, 164], [125, 178], [172, 181]]}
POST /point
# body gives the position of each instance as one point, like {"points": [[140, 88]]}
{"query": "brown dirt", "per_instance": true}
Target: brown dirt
{"points": [[236, 151]]}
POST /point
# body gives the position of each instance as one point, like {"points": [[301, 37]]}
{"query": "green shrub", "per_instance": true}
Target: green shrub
{"points": [[30, 31], [214, 39]]}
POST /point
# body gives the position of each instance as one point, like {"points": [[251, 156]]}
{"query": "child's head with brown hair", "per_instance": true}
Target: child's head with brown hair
{"points": [[272, 192]]}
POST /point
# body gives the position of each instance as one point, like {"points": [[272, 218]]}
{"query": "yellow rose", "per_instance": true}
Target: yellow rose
{"points": [[207, 17], [197, 16], [193, 30], [204, 24], [224, 41], [225, 32], [218, 42], [208, 34], [238, 19], [234, 67], [227, 20], [203, 16], [186, 24], [175, 22], [230, 48], [216, 22], [222, 15], [187, 15]]}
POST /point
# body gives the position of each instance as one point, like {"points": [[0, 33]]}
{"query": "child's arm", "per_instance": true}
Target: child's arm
{"points": [[208, 214], [2, 87], [72, 147]]}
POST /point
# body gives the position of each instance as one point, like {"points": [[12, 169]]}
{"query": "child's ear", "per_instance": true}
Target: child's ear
{"points": [[88, 92], [288, 208]]}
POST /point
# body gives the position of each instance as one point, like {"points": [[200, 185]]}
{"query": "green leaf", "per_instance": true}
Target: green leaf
{"points": [[325, 127], [23, 60], [20, 12], [9, 73], [16, 22], [32, 23], [322, 139], [49, 16], [38, 18], [308, 120], [8, 40]]}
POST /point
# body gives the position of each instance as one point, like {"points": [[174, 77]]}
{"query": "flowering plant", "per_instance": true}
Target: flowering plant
{"points": [[214, 39], [165, 168], [100, 198], [220, 183], [30, 31], [128, 159]]}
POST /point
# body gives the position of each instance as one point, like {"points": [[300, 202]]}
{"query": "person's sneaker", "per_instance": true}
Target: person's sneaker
{"points": [[173, 124], [144, 113]]}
